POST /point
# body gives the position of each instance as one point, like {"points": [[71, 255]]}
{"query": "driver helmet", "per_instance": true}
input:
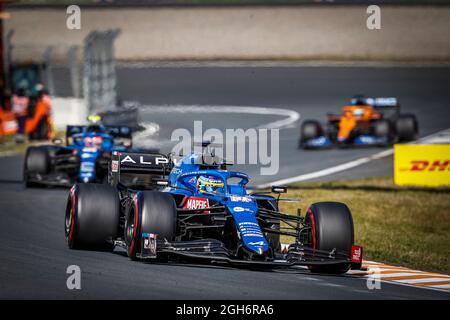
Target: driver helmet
{"points": [[209, 184], [358, 112]]}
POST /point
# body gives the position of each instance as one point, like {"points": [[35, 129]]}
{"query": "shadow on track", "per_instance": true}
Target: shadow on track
{"points": [[11, 181], [203, 264]]}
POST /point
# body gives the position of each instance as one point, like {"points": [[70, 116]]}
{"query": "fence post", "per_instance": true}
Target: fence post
{"points": [[8, 57], [99, 78], [47, 57], [74, 71]]}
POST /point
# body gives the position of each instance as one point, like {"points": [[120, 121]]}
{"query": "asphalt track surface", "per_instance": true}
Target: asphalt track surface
{"points": [[34, 256], [311, 91]]}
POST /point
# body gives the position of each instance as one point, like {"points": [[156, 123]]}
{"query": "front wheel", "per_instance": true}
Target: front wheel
{"points": [[37, 161], [331, 228], [310, 129], [383, 129], [151, 212]]}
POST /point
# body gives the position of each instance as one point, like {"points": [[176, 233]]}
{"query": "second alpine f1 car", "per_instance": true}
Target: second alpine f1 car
{"points": [[84, 158], [366, 121], [196, 209]]}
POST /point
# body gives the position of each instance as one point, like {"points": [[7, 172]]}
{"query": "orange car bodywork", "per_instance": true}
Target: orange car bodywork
{"points": [[355, 116]]}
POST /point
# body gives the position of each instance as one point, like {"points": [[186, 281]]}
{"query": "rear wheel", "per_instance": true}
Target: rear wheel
{"points": [[331, 228], [152, 212], [407, 127], [92, 217]]}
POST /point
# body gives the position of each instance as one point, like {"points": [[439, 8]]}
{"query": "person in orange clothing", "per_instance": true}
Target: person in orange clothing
{"points": [[20, 103], [2, 132], [40, 125], [8, 122], [46, 102]]}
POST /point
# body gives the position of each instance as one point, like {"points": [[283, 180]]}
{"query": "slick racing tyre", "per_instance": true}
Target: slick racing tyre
{"points": [[92, 217], [407, 127], [310, 129], [331, 228], [37, 161], [151, 212], [383, 129]]}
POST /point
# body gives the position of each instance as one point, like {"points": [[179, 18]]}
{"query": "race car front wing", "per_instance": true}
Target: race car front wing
{"points": [[214, 251]]}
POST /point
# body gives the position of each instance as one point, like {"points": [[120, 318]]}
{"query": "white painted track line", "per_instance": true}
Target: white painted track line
{"points": [[328, 171], [347, 165], [427, 280], [290, 116]]}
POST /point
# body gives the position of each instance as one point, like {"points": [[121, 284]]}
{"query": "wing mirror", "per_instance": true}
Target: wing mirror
{"points": [[160, 182], [279, 189]]}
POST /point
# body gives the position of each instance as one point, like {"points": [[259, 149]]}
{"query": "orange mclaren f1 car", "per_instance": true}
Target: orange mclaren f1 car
{"points": [[366, 121]]}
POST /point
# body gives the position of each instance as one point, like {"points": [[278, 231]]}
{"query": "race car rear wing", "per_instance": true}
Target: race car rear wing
{"points": [[119, 131], [120, 134], [114, 131], [138, 169], [377, 103]]}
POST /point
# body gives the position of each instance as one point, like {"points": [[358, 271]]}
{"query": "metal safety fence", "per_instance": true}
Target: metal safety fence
{"points": [[86, 71], [99, 71]]}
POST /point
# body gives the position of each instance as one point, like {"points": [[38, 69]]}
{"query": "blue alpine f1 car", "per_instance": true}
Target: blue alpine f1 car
{"points": [[85, 157], [159, 209], [364, 122]]}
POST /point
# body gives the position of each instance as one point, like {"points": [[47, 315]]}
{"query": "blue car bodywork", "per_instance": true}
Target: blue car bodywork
{"points": [[324, 142], [89, 152], [242, 206], [84, 158], [229, 224]]}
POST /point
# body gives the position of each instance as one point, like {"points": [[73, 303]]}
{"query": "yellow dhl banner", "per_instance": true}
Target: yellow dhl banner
{"points": [[422, 165]]}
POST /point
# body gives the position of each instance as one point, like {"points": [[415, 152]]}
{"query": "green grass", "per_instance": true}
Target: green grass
{"points": [[397, 225], [8, 146]]}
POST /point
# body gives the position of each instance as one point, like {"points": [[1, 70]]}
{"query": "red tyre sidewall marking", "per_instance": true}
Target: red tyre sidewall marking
{"points": [[72, 213], [136, 221], [313, 227]]}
